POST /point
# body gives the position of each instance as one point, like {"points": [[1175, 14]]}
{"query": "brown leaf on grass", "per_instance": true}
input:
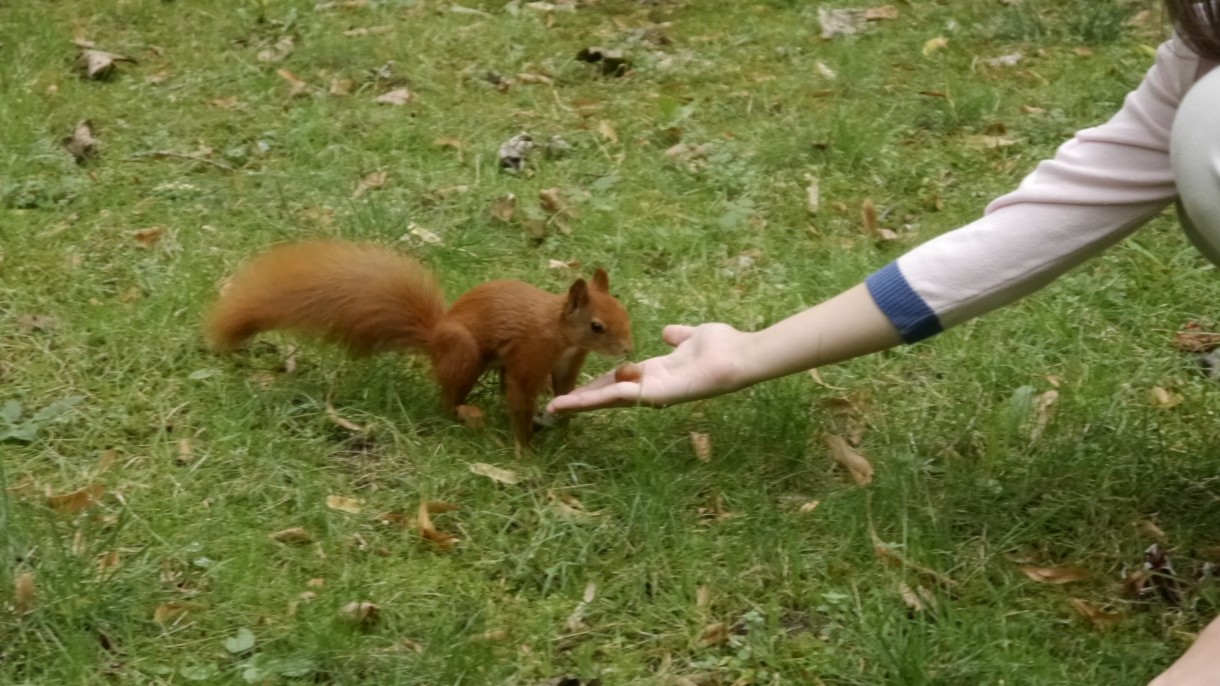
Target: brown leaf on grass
{"points": [[28, 323], [367, 31], [443, 540], [278, 52], [917, 598], [703, 596], [569, 506], [341, 87], [841, 22], [76, 501], [171, 612], [1192, 339], [494, 473], [25, 596], [362, 613], [297, 85], [371, 181], [81, 143], [147, 238], [550, 201], [872, 229], [1055, 575], [451, 143], [881, 13], [809, 506], [186, 453], [702, 443], [296, 534], [857, 465], [397, 97], [575, 622], [887, 552], [493, 636], [108, 560], [106, 459], [1099, 618], [813, 195], [1151, 530], [504, 207], [1164, 398], [714, 634], [343, 503], [1044, 411], [99, 64], [563, 264], [606, 128], [934, 44], [224, 103], [715, 511]]}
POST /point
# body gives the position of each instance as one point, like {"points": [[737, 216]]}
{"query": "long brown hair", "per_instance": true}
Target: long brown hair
{"points": [[1198, 23]]}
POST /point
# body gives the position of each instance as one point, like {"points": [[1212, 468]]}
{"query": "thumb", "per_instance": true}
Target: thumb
{"points": [[676, 334]]}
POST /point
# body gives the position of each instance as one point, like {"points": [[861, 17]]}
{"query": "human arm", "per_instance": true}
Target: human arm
{"points": [[713, 359]]}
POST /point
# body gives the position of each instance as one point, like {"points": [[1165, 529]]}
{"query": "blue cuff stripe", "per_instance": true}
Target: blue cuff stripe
{"points": [[907, 311]]}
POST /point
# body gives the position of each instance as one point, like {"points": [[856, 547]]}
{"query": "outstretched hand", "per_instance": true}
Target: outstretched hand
{"points": [[707, 360]]}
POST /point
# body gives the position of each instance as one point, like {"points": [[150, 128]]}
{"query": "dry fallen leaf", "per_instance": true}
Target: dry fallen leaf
{"points": [[99, 64], [494, 473], [702, 443], [149, 237], [1099, 618], [1164, 398], [278, 52], [918, 598], [343, 504], [1151, 530], [809, 506], [171, 612], [715, 634], [367, 31], [1044, 411], [426, 529], [857, 465], [1193, 340], [81, 143], [341, 87], [550, 201], [703, 596], [24, 594], [371, 181], [813, 197], [397, 97], [606, 128], [504, 207], [934, 44], [224, 103], [71, 503], [297, 85], [362, 613], [575, 622], [1055, 575], [872, 229], [296, 534], [841, 22], [569, 506], [887, 552], [186, 453]]}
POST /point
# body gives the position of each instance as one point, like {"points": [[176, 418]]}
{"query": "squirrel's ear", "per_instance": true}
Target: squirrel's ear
{"points": [[601, 281], [578, 296]]}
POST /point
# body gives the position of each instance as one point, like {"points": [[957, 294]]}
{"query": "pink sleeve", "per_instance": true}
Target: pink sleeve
{"points": [[1101, 185]]}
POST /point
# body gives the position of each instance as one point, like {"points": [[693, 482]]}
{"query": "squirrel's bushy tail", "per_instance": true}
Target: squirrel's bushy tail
{"points": [[365, 297]]}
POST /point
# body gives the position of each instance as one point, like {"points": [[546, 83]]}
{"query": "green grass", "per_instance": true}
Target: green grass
{"points": [[960, 485]]}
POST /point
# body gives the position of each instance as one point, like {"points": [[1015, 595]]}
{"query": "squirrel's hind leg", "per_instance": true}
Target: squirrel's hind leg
{"points": [[457, 365]]}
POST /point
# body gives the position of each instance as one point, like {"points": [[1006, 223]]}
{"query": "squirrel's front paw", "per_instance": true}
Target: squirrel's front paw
{"points": [[470, 416]]}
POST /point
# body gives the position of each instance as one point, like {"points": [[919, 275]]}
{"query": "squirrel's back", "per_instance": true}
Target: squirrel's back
{"points": [[364, 296]]}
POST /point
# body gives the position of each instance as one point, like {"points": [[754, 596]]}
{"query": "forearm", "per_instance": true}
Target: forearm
{"points": [[846, 326]]}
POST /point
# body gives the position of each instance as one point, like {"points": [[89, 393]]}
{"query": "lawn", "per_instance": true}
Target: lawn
{"points": [[171, 516]]}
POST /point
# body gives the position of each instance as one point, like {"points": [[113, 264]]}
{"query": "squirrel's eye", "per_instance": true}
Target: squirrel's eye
{"points": [[598, 327]]}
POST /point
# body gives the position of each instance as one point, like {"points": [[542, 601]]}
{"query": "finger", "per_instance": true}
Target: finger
{"points": [[676, 334], [622, 394]]}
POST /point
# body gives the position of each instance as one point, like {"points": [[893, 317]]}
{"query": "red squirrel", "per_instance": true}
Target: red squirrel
{"points": [[371, 299]]}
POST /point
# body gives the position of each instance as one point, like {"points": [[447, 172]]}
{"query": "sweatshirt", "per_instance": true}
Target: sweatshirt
{"points": [[1100, 186]]}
